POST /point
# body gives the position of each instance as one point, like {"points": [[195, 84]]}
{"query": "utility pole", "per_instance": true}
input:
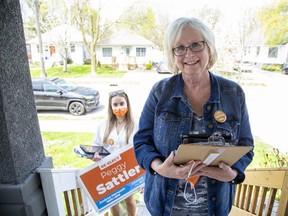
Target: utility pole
{"points": [[43, 72]]}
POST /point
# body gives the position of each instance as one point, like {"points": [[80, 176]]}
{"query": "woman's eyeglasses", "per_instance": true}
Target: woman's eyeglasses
{"points": [[117, 92], [195, 47]]}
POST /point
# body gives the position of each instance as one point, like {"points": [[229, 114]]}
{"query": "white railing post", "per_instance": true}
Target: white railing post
{"points": [[54, 182]]}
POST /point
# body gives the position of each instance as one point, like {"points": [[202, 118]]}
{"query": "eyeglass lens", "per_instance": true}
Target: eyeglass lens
{"points": [[195, 47]]}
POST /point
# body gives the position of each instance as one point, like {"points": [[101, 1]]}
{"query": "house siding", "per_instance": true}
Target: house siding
{"points": [[262, 57]]}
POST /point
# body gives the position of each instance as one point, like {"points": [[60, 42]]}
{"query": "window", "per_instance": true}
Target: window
{"points": [[140, 52], [273, 52], [72, 48], [258, 51], [37, 87], [107, 52], [50, 88], [127, 51]]}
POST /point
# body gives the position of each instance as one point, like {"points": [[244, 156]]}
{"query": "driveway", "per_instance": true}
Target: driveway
{"points": [[268, 108], [266, 95]]}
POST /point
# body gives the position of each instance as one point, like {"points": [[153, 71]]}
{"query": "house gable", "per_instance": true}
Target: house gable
{"points": [[125, 38], [125, 48]]}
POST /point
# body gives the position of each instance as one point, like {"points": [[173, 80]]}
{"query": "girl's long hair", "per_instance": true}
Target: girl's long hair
{"points": [[129, 126]]}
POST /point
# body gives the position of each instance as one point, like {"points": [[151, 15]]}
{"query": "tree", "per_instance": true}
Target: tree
{"points": [[59, 24], [209, 15], [273, 19], [93, 29], [247, 24], [159, 32], [143, 21], [52, 15], [30, 20]]}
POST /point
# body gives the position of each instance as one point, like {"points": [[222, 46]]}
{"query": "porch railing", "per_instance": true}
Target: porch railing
{"points": [[63, 196], [264, 192]]}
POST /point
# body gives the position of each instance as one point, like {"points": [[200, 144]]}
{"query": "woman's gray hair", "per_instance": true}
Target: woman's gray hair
{"points": [[173, 33]]}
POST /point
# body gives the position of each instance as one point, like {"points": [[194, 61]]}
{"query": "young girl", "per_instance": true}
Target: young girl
{"points": [[115, 132]]}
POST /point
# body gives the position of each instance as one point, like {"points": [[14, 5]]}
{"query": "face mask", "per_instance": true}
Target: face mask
{"points": [[120, 112]]}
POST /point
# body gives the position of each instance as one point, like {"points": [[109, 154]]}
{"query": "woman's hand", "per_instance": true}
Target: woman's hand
{"points": [[170, 170], [96, 157], [222, 173]]}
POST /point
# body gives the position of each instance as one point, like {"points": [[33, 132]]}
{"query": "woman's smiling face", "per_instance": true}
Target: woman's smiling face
{"points": [[192, 62]]}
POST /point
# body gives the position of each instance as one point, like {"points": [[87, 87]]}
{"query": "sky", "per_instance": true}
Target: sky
{"points": [[232, 11], [177, 8]]}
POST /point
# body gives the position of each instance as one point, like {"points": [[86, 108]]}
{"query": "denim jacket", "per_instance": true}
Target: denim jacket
{"points": [[166, 115]]}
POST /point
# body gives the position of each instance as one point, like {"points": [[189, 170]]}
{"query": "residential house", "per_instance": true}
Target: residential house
{"points": [[266, 55], [124, 50], [56, 44], [257, 52]]}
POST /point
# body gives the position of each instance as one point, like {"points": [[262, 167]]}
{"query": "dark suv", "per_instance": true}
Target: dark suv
{"points": [[59, 94]]}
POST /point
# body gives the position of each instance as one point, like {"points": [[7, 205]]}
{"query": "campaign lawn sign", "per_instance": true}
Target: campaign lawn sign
{"points": [[112, 179]]}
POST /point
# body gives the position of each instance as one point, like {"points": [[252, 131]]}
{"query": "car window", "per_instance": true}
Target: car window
{"points": [[37, 87], [50, 88], [68, 86]]}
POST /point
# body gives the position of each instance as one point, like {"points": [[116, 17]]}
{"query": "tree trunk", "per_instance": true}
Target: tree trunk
{"points": [[43, 71], [65, 60], [93, 63], [65, 65]]}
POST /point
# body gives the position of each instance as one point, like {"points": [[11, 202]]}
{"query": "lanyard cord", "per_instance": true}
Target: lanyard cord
{"points": [[192, 185]]}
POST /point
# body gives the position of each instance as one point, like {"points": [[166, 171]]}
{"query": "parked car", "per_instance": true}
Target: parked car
{"points": [[59, 94], [245, 66], [162, 68]]}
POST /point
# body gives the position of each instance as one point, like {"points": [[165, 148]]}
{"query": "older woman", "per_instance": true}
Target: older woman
{"points": [[193, 101]]}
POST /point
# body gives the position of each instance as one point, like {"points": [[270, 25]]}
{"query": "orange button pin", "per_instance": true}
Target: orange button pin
{"points": [[110, 141], [220, 116]]}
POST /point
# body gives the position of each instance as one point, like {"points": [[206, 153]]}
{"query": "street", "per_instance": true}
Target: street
{"points": [[265, 97]]}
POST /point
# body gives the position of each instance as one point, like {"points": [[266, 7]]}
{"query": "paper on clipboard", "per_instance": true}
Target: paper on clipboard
{"points": [[210, 154]]}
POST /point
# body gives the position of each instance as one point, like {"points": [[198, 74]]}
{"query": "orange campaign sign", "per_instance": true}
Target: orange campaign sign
{"points": [[112, 179]]}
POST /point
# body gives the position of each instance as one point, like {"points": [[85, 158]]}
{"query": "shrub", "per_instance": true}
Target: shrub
{"points": [[69, 60], [271, 67], [148, 66], [275, 158], [87, 62]]}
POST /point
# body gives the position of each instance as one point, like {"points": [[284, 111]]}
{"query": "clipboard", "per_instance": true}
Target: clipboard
{"points": [[211, 155], [210, 149]]}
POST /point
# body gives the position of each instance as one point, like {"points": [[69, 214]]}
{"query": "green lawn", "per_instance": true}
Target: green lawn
{"points": [[59, 146], [77, 71]]}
